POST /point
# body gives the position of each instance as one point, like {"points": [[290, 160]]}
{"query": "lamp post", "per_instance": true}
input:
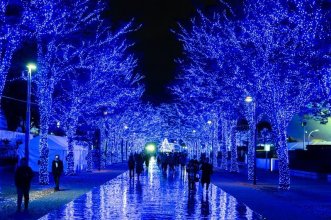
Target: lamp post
{"points": [[30, 67], [212, 141], [249, 99], [316, 130], [126, 150], [195, 144], [104, 132], [266, 149], [304, 123]]}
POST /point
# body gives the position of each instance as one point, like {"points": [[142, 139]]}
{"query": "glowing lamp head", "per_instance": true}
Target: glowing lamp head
{"points": [[31, 66], [150, 148], [267, 147], [249, 99]]}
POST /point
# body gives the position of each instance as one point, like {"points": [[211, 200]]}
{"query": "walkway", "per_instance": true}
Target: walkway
{"points": [[156, 196], [307, 199], [44, 199]]}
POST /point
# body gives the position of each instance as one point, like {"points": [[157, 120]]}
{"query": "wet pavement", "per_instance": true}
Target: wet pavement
{"points": [[156, 196]]}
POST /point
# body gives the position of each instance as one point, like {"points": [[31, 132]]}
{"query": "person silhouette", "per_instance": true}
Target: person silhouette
{"points": [[57, 170], [131, 164], [207, 170], [23, 177]]}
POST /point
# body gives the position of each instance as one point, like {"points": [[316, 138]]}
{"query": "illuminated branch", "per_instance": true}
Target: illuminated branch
{"points": [[10, 38]]}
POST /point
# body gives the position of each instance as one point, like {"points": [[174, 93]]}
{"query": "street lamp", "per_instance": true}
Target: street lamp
{"points": [[126, 145], [212, 141], [304, 123], [316, 130], [195, 143], [31, 67], [250, 99]]}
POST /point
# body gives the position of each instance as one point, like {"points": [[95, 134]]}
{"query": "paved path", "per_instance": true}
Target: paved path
{"points": [[307, 199], [156, 196], [44, 199]]}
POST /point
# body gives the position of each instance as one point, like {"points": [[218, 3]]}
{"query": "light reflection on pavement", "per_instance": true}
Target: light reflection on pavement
{"points": [[156, 196]]}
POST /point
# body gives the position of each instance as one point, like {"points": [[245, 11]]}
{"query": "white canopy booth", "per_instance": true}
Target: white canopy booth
{"points": [[57, 146]]}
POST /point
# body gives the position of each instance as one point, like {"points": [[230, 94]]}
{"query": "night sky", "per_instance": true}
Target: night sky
{"points": [[156, 47]]}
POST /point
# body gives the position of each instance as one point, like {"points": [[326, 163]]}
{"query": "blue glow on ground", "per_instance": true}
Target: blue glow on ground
{"points": [[156, 196]]}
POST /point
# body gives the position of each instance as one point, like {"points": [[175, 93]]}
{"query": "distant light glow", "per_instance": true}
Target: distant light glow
{"points": [[150, 148]]}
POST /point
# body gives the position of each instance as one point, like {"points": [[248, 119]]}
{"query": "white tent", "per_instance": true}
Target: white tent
{"points": [[57, 145]]}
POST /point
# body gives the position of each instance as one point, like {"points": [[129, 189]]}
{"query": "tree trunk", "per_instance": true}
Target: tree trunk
{"points": [[224, 151], [70, 155], [283, 163], [215, 142], [234, 167], [251, 152], [45, 88], [43, 161], [252, 120]]}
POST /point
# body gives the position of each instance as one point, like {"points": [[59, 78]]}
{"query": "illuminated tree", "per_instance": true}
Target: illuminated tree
{"points": [[268, 53], [103, 77], [283, 38], [10, 38], [54, 24], [209, 76]]}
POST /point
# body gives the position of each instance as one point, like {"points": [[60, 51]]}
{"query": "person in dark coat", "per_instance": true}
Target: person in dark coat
{"points": [[131, 164], [139, 164], [207, 170], [191, 175], [23, 177], [57, 170], [192, 171]]}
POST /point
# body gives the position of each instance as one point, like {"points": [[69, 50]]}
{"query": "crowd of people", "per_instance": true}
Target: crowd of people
{"points": [[169, 161], [136, 163], [165, 160]]}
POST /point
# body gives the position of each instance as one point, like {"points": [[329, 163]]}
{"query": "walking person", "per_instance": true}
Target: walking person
{"points": [[207, 170], [192, 171], [131, 164], [23, 177], [139, 161], [57, 170], [191, 175]]}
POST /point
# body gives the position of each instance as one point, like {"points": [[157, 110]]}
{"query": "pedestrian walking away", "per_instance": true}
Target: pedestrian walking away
{"points": [[207, 170], [23, 177], [57, 170], [139, 161], [192, 171], [131, 164]]}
